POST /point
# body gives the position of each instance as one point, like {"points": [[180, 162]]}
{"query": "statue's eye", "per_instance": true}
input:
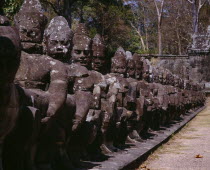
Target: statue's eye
{"points": [[77, 51], [86, 52], [23, 30], [54, 42], [100, 57], [64, 42]]}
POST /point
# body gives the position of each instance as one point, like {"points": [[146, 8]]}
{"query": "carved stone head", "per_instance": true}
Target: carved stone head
{"points": [[165, 72], [118, 64], [81, 52], [139, 66], [31, 21], [176, 81], [155, 75], [4, 21], [57, 38], [10, 48], [181, 83], [98, 48], [131, 67], [146, 70]]}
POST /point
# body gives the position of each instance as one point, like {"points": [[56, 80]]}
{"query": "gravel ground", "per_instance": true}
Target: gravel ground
{"points": [[187, 150]]}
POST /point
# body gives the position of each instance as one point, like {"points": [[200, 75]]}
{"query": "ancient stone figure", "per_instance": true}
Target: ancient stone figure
{"points": [[125, 98], [39, 72], [45, 77], [81, 52], [83, 90], [118, 64], [57, 39], [18, 120], [131, 68], [98, 58], [139, 66], [92, 85], [10, 53], [81, 111], [31, 21]]}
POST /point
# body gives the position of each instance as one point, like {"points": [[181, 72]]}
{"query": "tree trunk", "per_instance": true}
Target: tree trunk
{"points": [[67, 12], [159, 40], [146, 33], [141, 38], [195, 17], [147, 43], [159, 14], [197, 5], [179, 41]]}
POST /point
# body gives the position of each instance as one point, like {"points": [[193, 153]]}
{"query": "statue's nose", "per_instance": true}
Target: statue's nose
{"points": [[59, 49]]}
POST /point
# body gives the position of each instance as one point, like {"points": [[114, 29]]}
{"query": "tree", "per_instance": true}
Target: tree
{"points": [[65, 8], [160, 17], [197, 5], [11, 7], [176, 26]]}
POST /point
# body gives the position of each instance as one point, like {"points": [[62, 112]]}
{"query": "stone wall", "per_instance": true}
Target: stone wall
{"points": [[193, 67]]}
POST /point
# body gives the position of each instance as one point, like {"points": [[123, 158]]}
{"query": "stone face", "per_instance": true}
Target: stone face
{"points": [[139, 66], [99, 58], [119, 62], [31, 21], [58, 38], [131, 66], [4, 21], [81, 52]]}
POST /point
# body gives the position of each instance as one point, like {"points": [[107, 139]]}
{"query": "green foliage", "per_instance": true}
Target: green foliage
{"points": [[112, 19], [11, 7]]}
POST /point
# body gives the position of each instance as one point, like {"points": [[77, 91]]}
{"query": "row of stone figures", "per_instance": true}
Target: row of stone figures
{"points": [[58, 106]]}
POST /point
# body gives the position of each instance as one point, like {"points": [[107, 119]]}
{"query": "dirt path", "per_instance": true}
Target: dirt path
{"points": [[187, 150]]}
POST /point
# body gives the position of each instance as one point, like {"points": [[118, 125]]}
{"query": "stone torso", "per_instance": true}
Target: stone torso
{"points": [[36, 70]]}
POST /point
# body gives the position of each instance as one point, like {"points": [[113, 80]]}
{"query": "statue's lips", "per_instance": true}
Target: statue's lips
{"points": [[32, 47], [58, 55], [97, 65], [26, 44], [30, 42], [82, 62]]}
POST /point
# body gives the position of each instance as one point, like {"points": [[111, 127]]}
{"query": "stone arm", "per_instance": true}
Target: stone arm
{"points": [[83, 101], [57, 91]]}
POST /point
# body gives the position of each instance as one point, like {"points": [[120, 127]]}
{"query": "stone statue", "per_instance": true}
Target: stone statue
{"points": [[83, 90], [44, 76], [131, 68], [57, 39], [18, 119], [139, 66], [31, 21], [81, 52], [125, 99], [98, 58], [39, 72]]}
